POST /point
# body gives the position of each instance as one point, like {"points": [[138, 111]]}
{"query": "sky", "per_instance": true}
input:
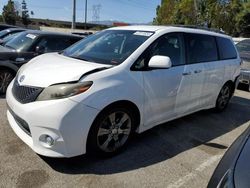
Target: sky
{"points": [[131, 11]]}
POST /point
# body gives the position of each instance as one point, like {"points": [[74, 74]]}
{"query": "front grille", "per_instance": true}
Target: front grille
{"points": [[25, 94], [20, 122]]}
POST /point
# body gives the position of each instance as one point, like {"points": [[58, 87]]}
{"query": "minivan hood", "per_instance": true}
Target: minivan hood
{"points": [[53, 68]]}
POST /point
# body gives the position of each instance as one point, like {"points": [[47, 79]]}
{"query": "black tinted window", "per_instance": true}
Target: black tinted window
{"points": [[54, 44], [170, 45], [201, 48], [74, 40], [226, 48]]}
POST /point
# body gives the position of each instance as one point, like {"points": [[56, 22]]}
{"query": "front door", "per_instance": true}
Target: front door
{"points": [[162, 86]]}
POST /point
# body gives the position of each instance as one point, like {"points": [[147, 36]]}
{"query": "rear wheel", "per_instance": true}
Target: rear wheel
{"points": [[5, 78], [224, 97], [111, 131]]}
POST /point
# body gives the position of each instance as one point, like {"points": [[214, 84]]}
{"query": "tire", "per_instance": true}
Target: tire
{"points": [[223, 98], [111, 132], [5, 78]]}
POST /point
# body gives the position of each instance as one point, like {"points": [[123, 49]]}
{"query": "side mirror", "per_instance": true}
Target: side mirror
{"points": [[40, 49], [160, 62]]}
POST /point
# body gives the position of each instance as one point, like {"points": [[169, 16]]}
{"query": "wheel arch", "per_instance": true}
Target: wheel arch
{"points": [[121, 103], [124, 103], [13, 69]]}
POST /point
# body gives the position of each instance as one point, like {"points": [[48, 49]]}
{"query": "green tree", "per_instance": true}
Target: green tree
{"points": [[165, 12], [243, 24], [1, 18], [187, 10], [25, 14], [9, 13], [231, 16]]}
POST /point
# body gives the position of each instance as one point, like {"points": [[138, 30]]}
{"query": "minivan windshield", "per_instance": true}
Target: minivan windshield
{"points": [[108, 47], [21, 42]]}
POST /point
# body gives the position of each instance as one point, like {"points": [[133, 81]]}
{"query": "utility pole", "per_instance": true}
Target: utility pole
{"points": [[86, 8], [74, 15]]}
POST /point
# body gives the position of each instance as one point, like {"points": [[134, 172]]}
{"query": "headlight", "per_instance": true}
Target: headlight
{"points": [[227, 180], [63, 91]]}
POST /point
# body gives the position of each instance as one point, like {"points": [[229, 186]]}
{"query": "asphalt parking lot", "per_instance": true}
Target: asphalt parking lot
{"points": [[181, 153]]}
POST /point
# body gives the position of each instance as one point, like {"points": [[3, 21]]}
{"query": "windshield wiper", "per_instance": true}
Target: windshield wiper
{"points": [[83, 59]]}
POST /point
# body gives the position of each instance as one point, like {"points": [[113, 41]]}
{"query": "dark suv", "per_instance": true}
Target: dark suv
{"points": [[4, 26], [27, 45]]}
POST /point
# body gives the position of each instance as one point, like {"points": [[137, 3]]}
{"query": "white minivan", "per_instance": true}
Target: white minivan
{"points": [[94, 95]]}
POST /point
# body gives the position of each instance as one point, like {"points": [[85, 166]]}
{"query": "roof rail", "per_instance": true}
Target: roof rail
{"points": [[199, 27]]}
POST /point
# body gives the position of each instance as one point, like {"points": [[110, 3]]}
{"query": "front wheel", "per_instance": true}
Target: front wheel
{"points": [[5, 78], [223, 98], [111, 131]]}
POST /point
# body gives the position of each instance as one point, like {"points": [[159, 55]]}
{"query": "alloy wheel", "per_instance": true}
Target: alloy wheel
{"points": [[114, 131], [224, 97]]}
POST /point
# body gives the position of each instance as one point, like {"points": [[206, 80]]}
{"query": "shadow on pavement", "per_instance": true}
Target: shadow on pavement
{"points": [[163, 142], [243, 87], [2, 96]]}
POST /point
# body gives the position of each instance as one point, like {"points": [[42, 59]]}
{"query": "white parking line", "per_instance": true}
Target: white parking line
{"points": [[193, 174]]}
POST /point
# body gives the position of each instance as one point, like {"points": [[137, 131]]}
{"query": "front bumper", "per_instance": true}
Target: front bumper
{"points": [[66, 121]]}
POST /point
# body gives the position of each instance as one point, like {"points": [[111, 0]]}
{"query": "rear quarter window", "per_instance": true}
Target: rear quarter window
{"points": [[226, 48]]}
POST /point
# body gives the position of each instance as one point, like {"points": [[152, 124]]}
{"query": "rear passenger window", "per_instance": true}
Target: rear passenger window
{"points": [[200, 48], [226, 48]]}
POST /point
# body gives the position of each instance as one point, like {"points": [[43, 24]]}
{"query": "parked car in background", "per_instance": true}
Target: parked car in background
{"points": [[98, 92], [244, 50], [84, 34], [7, 32], [27, 45], [238, 39], [4, 26], [233, 169]]}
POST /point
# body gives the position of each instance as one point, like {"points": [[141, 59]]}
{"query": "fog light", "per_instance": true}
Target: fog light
{"points": [[49, 140]]}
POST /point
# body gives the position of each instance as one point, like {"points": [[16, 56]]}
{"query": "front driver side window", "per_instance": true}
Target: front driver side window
{"points": [[170, 45], [53, 44]]}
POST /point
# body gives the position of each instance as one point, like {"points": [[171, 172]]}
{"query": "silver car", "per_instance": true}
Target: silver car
{"points": [[244, 50]]}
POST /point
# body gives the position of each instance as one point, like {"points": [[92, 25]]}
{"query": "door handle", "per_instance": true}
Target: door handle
{"points": [[186, 73], [197, 71], [20, 59]]}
